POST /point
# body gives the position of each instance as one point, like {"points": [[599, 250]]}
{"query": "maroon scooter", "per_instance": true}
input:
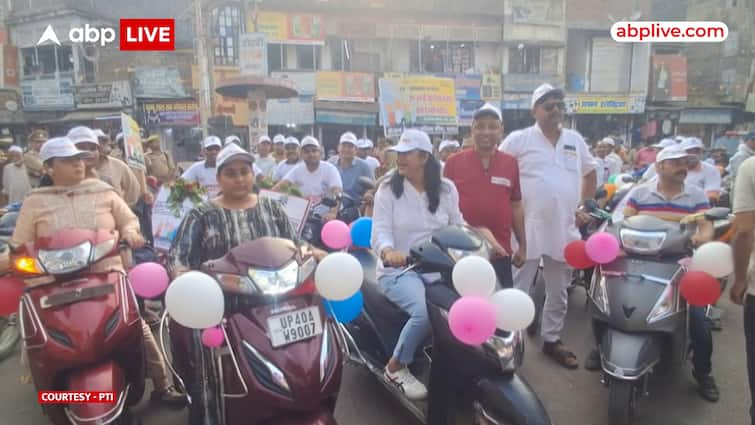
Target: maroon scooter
{"points": [[280, 363], [81, 330]]}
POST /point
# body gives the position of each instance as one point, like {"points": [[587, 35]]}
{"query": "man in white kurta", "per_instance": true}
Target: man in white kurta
{"points": [[557, 174]]}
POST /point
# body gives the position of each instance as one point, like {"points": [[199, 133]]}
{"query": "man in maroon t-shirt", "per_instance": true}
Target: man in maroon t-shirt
{"points": [[489, 193]]}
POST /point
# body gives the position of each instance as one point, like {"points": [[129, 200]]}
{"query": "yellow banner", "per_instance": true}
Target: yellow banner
{"points": [[289, 28], [133, 142], [237, 109], [417, 101], [345, 86]]}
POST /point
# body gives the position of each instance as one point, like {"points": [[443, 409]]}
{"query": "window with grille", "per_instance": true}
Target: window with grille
{"points": [[227, 25]]}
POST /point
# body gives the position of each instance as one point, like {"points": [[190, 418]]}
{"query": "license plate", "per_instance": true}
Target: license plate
{"points": [[294, 326]]}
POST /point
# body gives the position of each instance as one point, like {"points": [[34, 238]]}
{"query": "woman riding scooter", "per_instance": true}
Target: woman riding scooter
{"points": [[74, 201], [210, 231]]}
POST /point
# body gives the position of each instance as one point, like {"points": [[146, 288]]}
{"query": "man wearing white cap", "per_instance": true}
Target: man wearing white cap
{"points": [[279, 148], [351, 168], [606, 166], [670, 198], [292, 158], [700, 173], [365, 150], [314, 177], [663, 144], [204, 172], [232, 139], [264, 158], [446, 149], [110, 170], [16, 183], [557, 176]]}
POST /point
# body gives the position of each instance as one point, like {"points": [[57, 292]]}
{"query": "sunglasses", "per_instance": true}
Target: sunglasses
{"points": [[550, 106]]}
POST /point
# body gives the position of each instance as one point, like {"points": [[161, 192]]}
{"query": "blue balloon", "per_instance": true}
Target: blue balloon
{"points": [[361, 232], [345, 311]]}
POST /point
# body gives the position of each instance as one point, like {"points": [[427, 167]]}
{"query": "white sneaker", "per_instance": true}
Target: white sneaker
{"points": [[407, 383]]}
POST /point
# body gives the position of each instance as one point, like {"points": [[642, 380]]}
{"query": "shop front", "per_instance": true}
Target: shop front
{"points": [[345, 101]]}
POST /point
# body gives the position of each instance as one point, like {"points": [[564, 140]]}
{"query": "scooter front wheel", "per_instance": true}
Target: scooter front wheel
{"points": [[620, 402]]}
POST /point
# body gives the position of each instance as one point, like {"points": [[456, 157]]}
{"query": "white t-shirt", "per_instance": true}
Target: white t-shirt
{"points": [[205, 176], [373, 163], [744, 202], [282, 169], [551, 182], [315, 184], [707, 178], [266, 165], [606, 167]]}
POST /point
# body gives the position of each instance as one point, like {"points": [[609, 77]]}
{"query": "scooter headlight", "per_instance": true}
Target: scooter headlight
{"points": [[646, 243], [276, 282], [600, 295], [507, 351], [664, 307], [64, 261]]}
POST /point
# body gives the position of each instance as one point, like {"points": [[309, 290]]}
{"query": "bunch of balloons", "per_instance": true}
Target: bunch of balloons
{"points": [[710, 262], [338, 279], [474, 317], [336, 234], [620, 180], [600, 248]]}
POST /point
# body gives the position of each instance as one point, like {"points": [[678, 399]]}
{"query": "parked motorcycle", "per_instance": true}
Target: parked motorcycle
{"points": [[486, 374], [81, 330], [281, 362], [639, 317]]}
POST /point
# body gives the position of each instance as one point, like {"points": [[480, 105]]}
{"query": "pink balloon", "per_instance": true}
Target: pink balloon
{"points": [[602, 247], [472, 320], [149, 280], [336, 234], [213, 337]]}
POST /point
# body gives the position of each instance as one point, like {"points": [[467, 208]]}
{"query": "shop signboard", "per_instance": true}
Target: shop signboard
{"points": [[171, 113], [669, 83], [48, 94], [116, 94], [416, 101]]}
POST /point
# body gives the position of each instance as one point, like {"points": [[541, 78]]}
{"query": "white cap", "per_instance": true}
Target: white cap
{"points": [[232, 139], [212, 141], [671, 152], [679, 138], [665, 143], [82, 134], [309, 141], [607, 141], [279, 138], [15, 148], [365, 144], [232, 152], [348, 137], [119, 136], [488, 109], [292, 141], [692, 143], [542, 91], [411, 140], [61, 147], [99, 133], [448, 144], [264, 138]]}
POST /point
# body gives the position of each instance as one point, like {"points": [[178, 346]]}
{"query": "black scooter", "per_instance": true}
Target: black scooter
{"points": [[639, 317], [486, 375]]}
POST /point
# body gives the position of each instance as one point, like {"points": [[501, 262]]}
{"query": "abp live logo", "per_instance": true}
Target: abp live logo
{"points": [[135, 35]]}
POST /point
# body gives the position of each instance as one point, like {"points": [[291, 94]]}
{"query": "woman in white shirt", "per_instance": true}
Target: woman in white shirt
{"points": [[415, 202]]}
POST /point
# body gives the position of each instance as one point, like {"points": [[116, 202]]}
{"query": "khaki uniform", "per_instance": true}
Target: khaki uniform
{"points": [[34, 167], [160, 165], [117, 174]]}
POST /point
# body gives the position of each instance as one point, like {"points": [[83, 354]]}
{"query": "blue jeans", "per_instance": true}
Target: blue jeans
{"points": [[408, 292], [700, 340]]}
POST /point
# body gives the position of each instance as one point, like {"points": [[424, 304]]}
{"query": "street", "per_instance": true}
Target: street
{"points": [[571, 397]]}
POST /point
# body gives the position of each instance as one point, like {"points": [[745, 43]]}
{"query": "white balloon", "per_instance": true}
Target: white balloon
{"points": [[338, 276], [195, 300], [715, 258], [474, 276], [514, 309]]}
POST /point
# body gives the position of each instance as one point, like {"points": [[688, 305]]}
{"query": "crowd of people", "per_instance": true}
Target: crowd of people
{"points": [[526, 194]]}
